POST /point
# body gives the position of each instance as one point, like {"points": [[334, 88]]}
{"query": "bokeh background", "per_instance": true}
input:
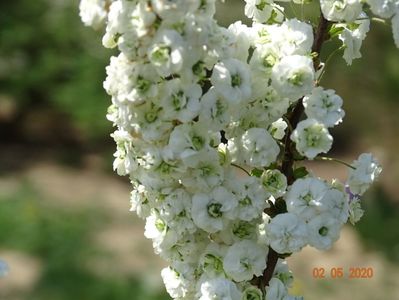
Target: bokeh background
{"points": [[65, 226]]}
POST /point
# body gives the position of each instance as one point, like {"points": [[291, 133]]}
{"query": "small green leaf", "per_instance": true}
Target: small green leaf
{"points": [[256, 172], [335, 31], [284, 255], [300, 172]]}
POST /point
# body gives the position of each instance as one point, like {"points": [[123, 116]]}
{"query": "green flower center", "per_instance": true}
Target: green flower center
{"points": [[213, 262], [151, 116], [214, 210], [161, 54], [178, 100], [143, 85], [242, 230], [235, 80], [160, 225], [198, 142], [245, 202], [296, 79], [323, 231]]}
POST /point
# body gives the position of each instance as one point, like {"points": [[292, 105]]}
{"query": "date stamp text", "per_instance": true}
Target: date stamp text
{"points": [[344, 273]]}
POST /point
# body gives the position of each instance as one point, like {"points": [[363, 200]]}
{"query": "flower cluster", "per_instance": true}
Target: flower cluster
{"points": [[351, 23], [203, 129]]}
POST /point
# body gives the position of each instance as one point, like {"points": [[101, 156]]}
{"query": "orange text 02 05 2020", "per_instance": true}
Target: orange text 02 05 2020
{"points": [[341, 272]]}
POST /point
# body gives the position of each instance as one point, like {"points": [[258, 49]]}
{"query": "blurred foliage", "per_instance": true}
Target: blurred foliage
{"points": [[49, 59], [379, 226], [62, 241]]}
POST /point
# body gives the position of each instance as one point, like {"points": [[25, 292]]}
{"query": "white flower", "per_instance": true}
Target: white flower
{"points": [[142, 19], [237, 230], [231, 78], [383, 8], [276, 290], [259, 10], [324, 106], [219, 288], [309, 197], [118, 23], [277, 129], [311, 138], [251, 196], [256, 148], [366, 172], [187, 141], [323, 231], [215, 110], [211, 261], [274, 182], [286, 233], [244, 260], [166, 53], [176, 285], [162, 236], [293, 76], [181, 102], [352, 37], [205, 174], [147, 120], [144, 85], [93, 12], [125, 157], [305, 197], [252, 293], [220, 45], [283, 273], [175, 209], [262, 60], [210, 211], [341, 10], [207, 8], [128, 81], [267, 109], [355, 211], [174, 9], [337, 203], [295, 37], [242, 43], [187, 248], [139, 201]]}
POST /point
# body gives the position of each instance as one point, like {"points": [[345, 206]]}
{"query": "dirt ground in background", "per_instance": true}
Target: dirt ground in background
{"points": [[131, 253]]}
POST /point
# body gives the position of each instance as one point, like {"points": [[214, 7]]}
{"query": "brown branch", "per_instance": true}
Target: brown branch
{"points": [[320, 37], [272, 259], [288, 157]]}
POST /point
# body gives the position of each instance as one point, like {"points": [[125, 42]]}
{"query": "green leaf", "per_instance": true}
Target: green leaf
{"points": [[256, 172], [335, 31], [300, 172]]}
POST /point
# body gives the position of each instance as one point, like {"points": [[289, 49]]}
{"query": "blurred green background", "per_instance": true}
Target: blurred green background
{"points": [[65, 226]]}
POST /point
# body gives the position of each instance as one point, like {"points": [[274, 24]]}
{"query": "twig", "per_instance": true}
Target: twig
{"points": [[288, 158], [334, 160], [241, 168]]}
